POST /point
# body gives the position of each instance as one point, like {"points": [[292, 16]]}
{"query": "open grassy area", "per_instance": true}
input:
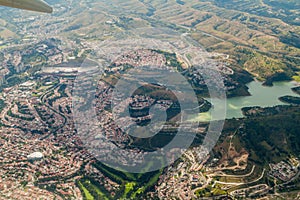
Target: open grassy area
{"points": [[99, 193], [128, 187], [297, 77], [133, 186], [90, 191], [86, 193]]}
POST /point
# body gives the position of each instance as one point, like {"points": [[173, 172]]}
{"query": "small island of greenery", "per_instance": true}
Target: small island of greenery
{"points": [[290, 99], [296, 90]]}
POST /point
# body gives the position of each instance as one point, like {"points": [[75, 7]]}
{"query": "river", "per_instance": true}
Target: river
{"points": [[262, 96]]}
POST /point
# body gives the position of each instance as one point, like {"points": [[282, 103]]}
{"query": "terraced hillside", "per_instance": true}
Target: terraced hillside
{"points": [[40, 55], [288, 11], [261, 43], [262, 37]]}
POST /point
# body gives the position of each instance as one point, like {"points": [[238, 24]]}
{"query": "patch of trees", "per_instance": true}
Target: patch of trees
{"points": [[9, 113], [277, 77], [290, 99], [292, 39], [2, 105], [273, 137], [180, 2], [296, 90]]}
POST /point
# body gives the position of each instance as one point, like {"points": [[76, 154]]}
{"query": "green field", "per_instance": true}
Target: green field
{"points": [[86, 193]]}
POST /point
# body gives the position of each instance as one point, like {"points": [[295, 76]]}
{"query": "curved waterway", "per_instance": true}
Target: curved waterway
{"points": [[262, 96]]}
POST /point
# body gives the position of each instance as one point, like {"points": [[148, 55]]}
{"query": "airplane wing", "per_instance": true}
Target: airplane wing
{"points": [[33, 5]]}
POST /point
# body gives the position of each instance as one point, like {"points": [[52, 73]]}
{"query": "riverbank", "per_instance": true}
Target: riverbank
{"points": [[262, 96]]}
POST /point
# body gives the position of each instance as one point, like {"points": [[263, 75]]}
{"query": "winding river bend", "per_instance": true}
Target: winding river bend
{"points": [[262, 96]]}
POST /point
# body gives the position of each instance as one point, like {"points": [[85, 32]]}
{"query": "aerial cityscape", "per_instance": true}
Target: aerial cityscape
{"points": [[150, 99]]}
